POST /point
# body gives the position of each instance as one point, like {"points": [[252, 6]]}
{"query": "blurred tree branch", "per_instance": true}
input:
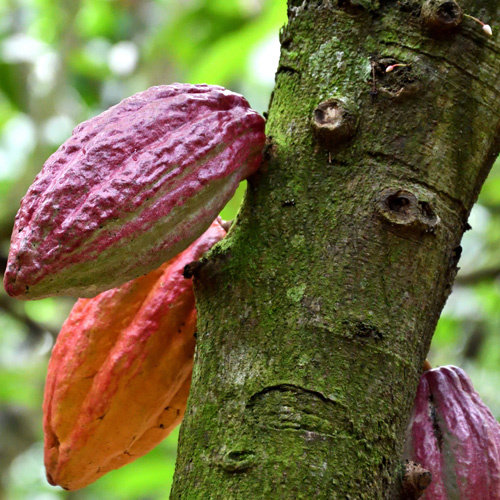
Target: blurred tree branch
{"points": [[479, 275], [35, 329]]}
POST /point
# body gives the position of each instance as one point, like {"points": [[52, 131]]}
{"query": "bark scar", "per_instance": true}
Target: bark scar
{"points": [[291, 407], [441, 17], [237, 460], [397, 83], [415, 481], [334, 122], [359, 329], [403, 210]]}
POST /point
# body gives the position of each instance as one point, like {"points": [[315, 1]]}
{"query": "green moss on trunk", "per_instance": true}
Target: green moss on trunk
{"points": [[317, 311]]}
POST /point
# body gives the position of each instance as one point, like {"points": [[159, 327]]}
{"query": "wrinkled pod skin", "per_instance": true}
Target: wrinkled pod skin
{"points": [[453, 434], [131, 188], [119, 375]]}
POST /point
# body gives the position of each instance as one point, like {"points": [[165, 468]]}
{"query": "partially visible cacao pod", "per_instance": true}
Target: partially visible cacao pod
{"points": [[119, 374], [131, 188], [453, 434]]}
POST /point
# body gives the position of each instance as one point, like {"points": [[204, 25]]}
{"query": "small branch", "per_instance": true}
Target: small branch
{"points": [[36, 329], [415, 481], [475, 277]]}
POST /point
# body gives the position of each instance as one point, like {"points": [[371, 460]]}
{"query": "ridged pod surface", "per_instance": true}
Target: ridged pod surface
{"points": [[453, 434], [119, 374], [131, 188]]}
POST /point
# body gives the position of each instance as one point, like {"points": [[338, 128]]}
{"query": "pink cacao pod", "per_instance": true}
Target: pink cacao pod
{"points": [[119, 375], [131, 188], [453, 434]]}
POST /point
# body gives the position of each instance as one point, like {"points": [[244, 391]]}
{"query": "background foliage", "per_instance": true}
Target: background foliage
{"points": [[63, 61]]}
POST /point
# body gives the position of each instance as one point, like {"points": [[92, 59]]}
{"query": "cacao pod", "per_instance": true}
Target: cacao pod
{"points": [[119, 374], [131, 188], [453, 434]]}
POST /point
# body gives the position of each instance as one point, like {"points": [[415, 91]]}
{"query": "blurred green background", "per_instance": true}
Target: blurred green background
{"points": [[64, 61]]}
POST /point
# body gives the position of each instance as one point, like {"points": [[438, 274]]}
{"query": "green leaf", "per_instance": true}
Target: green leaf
{"points": [[146, 477], [227, 57]]}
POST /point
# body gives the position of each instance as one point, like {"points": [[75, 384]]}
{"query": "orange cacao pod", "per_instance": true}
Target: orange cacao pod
{"points": [[119, 374]]}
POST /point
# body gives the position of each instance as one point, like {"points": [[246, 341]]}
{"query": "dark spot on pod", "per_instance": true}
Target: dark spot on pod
{"points": [[438, 434]]}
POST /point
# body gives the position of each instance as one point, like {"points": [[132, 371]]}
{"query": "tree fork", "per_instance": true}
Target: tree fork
{"points": [[317, 311]]}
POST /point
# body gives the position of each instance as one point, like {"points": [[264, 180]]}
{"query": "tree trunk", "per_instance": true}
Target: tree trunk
{"points": [[317, 311]]}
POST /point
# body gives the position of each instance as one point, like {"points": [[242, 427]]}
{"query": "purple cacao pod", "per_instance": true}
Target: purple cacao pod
{"points": [[453, 434], [131, 188]]}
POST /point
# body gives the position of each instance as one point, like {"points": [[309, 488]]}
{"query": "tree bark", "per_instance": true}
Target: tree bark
{"points": [[317, 311]]}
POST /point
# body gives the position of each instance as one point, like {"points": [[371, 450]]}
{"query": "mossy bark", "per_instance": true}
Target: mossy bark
{"points": [[317, 311]]}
